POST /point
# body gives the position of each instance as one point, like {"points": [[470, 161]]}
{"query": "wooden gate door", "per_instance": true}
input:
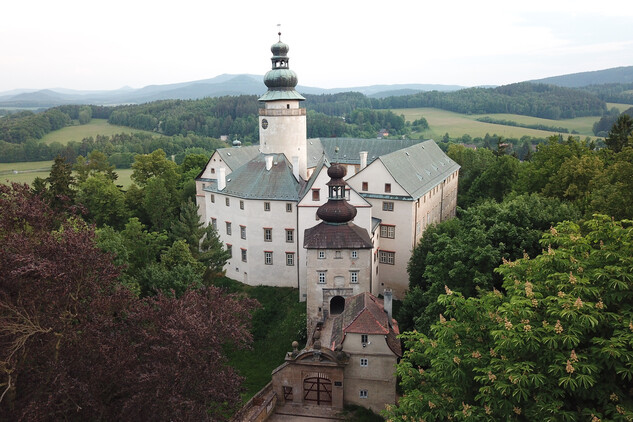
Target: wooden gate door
{"points": [[317, 390]]}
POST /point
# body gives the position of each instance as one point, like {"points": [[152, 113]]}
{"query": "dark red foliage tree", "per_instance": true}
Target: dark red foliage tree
{"points": [[75, 345]]}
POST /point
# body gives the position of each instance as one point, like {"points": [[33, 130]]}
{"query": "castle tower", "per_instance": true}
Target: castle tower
{"points": [[282, 122], [338, 254]]}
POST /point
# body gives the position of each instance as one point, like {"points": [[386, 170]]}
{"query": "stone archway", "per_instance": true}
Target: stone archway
{"points": [[337, 305]]}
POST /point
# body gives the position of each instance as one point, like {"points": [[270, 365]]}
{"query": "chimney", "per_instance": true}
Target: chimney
{"points": [[387, 303], [363, 159], [295, 167], [269, 162], [221, 178]]}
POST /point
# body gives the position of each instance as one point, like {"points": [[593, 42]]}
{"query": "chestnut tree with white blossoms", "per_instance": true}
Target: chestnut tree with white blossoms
{"points": [[556, 345]]}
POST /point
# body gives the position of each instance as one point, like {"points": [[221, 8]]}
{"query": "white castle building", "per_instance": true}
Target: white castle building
{"points": [[262, 198]]}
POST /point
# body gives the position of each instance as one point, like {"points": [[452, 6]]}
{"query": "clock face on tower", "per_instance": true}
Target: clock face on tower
{"points": [[264, 123]]}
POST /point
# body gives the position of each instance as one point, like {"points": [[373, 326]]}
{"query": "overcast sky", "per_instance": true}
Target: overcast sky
{"points": [[110, 44]]}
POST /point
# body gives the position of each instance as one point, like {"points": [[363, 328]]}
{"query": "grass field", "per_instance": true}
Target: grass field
{"points": [[456, 124], [94, 128], [28, 171], [620, 107]]}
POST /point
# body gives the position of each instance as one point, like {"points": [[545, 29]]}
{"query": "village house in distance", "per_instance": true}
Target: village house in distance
{"points": [[262, 198]]}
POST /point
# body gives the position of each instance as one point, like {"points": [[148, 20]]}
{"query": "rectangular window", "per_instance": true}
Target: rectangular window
{"points": [[213, 198], [363, 338], [214, 223], [229, 249], [363, 394], [266, 206], [268, 258], [354, 254], [365, 186], [321, 254], [290, 235], [212, 170], [288, 207], [353, 279], [228, 228], [268, 235], [243, 255], [387, 206], [290, 259], [227, 201], [321, 277], [387, 187], [388, 231], [337, 255], [364, 362], [316, 196], [387, 257], [243, 232], [241, 205]]}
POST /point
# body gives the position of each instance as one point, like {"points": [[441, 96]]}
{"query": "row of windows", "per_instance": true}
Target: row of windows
{"points": [[268, 256], [338, 254], [353, 277], [227, 201], [365, 187], [268, 232]]}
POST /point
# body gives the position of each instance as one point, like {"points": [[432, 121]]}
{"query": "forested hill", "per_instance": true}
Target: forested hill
{"points": [[538, 100], [616, 75]]}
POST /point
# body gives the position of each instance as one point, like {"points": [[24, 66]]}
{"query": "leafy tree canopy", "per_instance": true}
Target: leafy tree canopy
{"points": [[555, 347]]}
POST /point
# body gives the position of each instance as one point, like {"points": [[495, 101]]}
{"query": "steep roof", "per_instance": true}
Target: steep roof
{"points": [[253, 181], [237, 157], [365, 314], [419, 167], [350, 148]]}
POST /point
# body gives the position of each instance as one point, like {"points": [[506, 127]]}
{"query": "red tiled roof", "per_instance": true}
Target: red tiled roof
{"points": [[365, 314]]}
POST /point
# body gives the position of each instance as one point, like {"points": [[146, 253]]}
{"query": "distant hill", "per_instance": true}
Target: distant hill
{"points": [[616, 75], [221, 85]]}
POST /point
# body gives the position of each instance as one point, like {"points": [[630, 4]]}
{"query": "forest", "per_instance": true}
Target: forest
{"points": [[348, 114], [520, 307]]}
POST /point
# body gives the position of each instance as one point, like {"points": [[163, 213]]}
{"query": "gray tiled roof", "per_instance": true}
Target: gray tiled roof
{"points": [[419, 168], [237, 157], [253, 181], [350, 148]]}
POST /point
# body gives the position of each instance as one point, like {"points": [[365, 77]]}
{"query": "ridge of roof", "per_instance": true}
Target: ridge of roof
{"points": [[419, 168]]}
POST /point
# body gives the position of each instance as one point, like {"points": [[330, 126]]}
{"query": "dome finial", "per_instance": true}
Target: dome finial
{"points": [[279, 33]]}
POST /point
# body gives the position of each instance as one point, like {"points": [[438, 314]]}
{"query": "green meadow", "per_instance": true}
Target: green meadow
{"points": [[27, 172], [456, 124], [94, 128]]}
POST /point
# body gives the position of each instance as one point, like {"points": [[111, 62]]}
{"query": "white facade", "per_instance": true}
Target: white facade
{"points": [[398, 187]]}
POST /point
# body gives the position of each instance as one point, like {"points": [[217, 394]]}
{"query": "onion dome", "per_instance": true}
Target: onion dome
{"points": [[336, 210], [280, 80]]}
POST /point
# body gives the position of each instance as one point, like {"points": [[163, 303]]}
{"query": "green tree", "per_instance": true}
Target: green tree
{"points": [[85, 115], [104, 201], [555, 347], [96, 162], [154, 164], [620, 134], [213, 252], [613, 188], [60, 184], [463, 252]]}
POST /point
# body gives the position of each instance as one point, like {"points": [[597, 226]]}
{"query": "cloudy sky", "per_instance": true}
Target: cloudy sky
{"points": [[110, 44]]}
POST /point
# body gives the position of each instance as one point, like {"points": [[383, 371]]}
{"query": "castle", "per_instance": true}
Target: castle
{"points": [[336, 218], [262, 198]]}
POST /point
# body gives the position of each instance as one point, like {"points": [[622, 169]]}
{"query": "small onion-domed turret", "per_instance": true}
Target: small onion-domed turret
{"points": [[336, 210]]}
